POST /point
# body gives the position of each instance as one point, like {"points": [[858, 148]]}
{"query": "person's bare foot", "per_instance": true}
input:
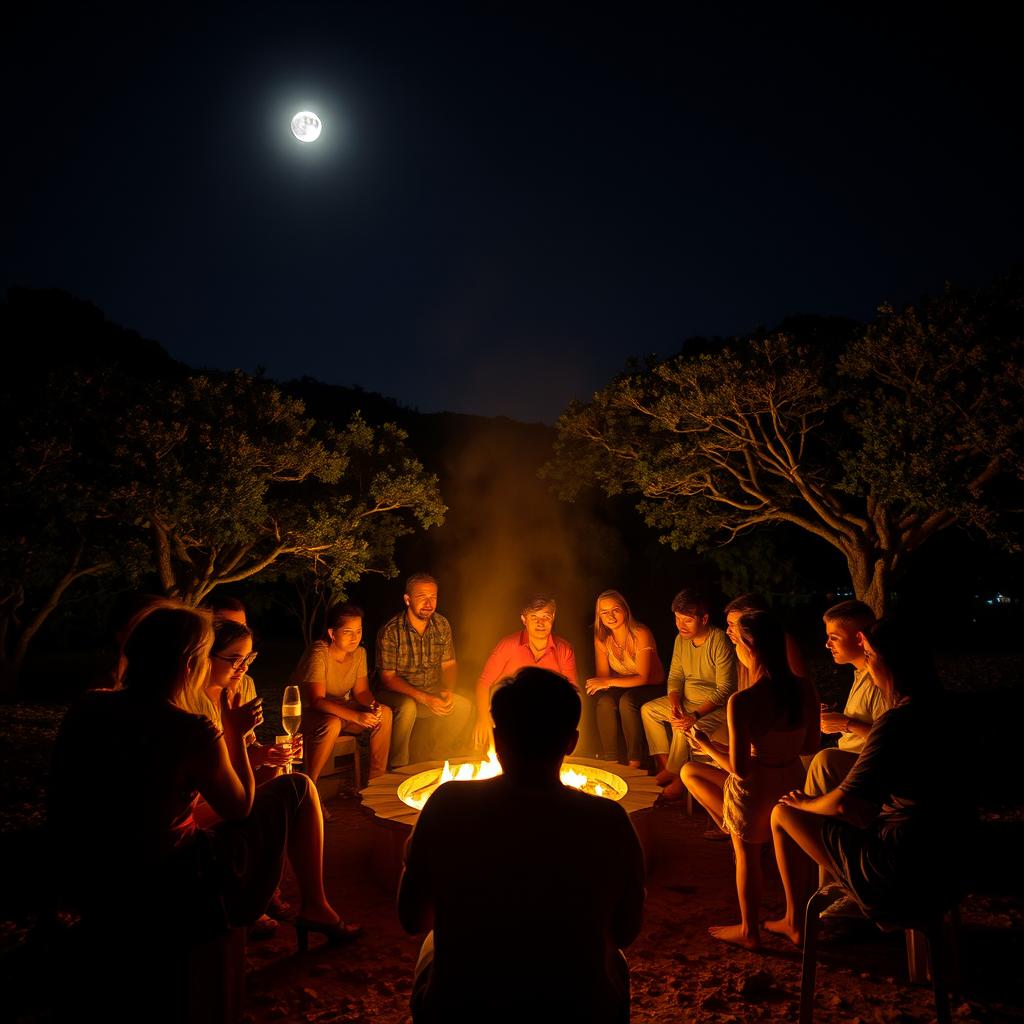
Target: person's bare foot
{"points": [[664, 777], [782, 927], [735, 935]]}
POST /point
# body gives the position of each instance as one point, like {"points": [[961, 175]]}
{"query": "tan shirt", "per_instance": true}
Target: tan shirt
{"points": [[339, 679]]}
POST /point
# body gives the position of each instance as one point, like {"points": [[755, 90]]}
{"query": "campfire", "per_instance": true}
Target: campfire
{"points": [[395, 799], [417, 790]]}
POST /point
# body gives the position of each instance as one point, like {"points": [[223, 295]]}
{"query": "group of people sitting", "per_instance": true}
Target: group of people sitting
{"points": [[207, 818], [740, 728]]}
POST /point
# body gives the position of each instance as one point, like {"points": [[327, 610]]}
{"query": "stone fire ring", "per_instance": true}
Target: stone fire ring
{"points": [[381, 795]]}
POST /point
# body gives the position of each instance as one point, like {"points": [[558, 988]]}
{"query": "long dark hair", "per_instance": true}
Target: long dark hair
{"points": [[911, 666], [764, 634]]}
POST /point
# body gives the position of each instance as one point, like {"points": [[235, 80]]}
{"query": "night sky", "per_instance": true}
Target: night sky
{"points": [[505, 204]]}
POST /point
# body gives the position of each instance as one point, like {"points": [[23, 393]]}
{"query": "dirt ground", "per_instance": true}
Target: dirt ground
{"points": [[678, 972]]}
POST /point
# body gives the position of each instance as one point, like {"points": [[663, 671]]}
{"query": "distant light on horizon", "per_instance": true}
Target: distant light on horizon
{"points": [[306, 126]]}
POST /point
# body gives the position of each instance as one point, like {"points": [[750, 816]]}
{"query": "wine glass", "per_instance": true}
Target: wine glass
{"points": [[291, 714]]}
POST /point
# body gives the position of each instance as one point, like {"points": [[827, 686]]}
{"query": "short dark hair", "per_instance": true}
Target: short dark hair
{"points": [[747, 603], [690, 601], [337, 613], [223, 603], [539, 601], [535, 712], [418, 577], [851, 613]]}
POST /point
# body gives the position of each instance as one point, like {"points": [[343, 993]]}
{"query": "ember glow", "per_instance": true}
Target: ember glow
{"points": [[416, 790]]}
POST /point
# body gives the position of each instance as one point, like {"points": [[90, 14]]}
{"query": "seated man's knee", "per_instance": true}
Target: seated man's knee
{"points": [[332, 728], [827, 769], [405, 711]]}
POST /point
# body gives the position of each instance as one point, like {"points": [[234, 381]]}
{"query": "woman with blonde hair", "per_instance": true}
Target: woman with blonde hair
{"points": [[628, 674], [150, 860]]}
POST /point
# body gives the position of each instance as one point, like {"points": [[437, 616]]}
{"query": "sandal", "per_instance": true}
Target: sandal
{"points": [[278, 907], [262, 928]]}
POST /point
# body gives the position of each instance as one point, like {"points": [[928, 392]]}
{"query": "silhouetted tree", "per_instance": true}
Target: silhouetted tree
{"points": [[60, 520], [873, 445], [230, 478], [199, 480]]}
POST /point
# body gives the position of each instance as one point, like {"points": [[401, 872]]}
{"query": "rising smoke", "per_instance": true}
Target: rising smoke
{"points": [[507, 538]]}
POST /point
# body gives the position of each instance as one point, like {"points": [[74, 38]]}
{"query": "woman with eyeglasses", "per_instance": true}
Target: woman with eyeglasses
{"points": [[152, 862], [230, 658], [336, 696]]}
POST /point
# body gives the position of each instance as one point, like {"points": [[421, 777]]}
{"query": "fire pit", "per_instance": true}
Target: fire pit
{"points": [[396, 798]]}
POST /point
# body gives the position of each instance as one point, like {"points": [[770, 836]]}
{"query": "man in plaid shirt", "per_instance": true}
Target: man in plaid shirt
{"points": [[418, 674]]}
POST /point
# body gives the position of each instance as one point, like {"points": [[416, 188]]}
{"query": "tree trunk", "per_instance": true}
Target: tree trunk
{"points": [[10, 666], [870, 573]]}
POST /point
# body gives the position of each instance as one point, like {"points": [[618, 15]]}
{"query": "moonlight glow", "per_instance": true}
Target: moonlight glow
{"points": [[306, 126]]}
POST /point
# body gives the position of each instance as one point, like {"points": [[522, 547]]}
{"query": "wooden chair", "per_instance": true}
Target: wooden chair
{"points": [[932, 952], [344, 746]]}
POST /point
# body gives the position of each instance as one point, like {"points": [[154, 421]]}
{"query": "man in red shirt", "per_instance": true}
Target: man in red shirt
{"points": [[533, 645]]}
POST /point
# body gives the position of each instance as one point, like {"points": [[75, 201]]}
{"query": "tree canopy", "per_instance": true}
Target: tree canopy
{"points": [[229, 477], [872, 440], [191, 480]]}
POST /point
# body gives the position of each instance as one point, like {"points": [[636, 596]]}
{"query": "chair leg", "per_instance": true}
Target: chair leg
{"points": [[917, 956], [357, 767], [940, 971], [812, 920], [952, 935]]}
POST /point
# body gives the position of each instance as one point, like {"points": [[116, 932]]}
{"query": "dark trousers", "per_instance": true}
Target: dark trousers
{"points": [[619, 707]]}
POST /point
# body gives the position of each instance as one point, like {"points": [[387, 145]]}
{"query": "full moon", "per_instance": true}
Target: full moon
{"points": [[306, 126]]}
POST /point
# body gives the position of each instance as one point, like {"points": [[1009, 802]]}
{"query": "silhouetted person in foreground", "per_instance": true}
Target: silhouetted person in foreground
{"points": [[531, 888], [146, 874]]}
